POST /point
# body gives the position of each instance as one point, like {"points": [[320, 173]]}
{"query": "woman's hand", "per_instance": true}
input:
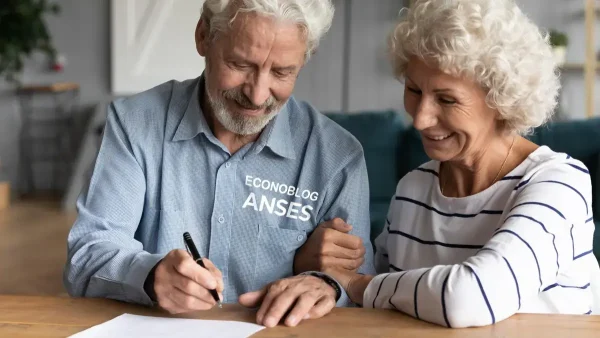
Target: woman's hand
{"points": [[330, 245], [355, 284]]}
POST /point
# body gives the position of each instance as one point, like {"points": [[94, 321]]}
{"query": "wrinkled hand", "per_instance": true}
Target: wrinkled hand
{"points": [[181, 285], [330, 246], [307, 297]]}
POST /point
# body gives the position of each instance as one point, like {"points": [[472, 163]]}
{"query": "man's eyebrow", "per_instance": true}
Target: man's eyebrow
{"points": [[285, 68], [234, 53]]}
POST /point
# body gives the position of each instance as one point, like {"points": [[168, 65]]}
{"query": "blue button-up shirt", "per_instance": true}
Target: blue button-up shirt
{"points": [[161, 172]]}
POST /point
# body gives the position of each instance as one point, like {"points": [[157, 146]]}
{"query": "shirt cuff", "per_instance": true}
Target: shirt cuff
{"points": [[138, 271], [344, 300]]}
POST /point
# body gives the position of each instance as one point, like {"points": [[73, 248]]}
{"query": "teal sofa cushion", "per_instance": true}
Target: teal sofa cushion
{"points": [[412, 153], [580, 139], [379, 211]]}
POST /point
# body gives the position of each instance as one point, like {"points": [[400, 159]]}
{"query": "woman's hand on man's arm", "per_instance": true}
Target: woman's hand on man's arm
{"points": [[330, 246]]}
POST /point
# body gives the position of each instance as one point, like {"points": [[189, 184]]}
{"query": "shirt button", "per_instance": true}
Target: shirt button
{"points": [[300, 238], [227, 165], [221, 219]]}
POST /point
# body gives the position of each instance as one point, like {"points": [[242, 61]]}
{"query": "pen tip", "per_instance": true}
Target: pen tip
{"points": [[220, 305]]}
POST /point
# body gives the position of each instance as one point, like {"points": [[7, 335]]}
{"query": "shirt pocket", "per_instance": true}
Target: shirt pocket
{"points": [[275, 253]]}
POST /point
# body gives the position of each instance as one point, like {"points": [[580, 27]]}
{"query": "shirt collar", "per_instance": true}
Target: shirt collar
{"points": [[276, 135], [193, 121]]}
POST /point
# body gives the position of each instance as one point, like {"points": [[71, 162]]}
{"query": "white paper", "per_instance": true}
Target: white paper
{"points": [[128, 325]]}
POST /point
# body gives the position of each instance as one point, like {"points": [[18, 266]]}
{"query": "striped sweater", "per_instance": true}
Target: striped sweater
{"points": [[522, 245]]}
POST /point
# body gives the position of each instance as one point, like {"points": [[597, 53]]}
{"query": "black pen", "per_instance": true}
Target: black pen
{"points": [[196, 256]]}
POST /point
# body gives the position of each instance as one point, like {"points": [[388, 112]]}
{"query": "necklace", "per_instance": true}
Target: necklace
{"points": [[499, 171]]}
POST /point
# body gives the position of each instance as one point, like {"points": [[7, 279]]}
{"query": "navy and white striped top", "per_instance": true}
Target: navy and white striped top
{"points": [[522, 245]]}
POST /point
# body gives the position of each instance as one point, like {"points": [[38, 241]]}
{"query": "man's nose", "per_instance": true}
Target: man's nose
{"points": [[258, 91]]}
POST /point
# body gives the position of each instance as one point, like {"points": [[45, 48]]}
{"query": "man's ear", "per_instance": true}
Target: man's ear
{"points": [[202, 36]]}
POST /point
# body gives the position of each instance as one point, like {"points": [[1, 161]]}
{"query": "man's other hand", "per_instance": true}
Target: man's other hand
{"points": [[302, 297]]}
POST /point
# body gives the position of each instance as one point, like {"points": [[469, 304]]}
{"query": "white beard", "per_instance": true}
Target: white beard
{"points": [[237, 123]]}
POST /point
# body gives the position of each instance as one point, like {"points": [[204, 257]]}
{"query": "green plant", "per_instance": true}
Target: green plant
{"points": [[22, 32], [558, 39]]}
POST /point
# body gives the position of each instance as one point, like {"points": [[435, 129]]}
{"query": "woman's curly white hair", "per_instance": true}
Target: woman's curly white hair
{"points": [[489, 41]]}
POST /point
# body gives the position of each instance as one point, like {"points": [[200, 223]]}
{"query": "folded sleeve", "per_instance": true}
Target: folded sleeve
{"points": [[104, 259]]}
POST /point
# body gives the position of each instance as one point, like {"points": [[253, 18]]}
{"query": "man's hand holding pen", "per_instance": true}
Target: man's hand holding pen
{"points": [[182, 285]]}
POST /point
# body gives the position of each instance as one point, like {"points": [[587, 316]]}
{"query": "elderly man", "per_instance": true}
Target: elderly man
{"points": [[232, 158]]}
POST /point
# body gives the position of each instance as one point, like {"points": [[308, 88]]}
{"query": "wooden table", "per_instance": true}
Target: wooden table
{"points": [[33, 316]]}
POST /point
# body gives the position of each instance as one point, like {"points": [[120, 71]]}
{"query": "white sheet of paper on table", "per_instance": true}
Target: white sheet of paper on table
{"points": [[128, 325]]}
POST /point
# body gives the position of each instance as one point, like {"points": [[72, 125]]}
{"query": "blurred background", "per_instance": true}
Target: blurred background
{"points": [[63, 61]]}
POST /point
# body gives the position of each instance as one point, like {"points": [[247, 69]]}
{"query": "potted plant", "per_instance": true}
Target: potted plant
{"points": [[23, 32], [559, 42]]}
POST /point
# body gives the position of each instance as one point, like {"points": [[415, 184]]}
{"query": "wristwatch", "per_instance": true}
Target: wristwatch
{"points": [[330, 281]]}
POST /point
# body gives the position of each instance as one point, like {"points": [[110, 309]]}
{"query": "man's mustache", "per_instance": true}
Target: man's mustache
{"points": [[238, 96]]}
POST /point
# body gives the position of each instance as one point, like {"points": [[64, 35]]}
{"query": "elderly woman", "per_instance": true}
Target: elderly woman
{"points": [[494, 224]]}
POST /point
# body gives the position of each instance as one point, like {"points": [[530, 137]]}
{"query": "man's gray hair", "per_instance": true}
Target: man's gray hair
{"points": [[314, 17]]}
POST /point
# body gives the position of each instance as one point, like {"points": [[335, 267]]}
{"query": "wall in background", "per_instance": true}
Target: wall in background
{"points": [[371, 81], [81, 32], [320, 81], [349, 72], [143, 34], [569, 17]]}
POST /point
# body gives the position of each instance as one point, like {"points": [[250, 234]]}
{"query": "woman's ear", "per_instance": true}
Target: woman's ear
{"points": [[501, 125]]}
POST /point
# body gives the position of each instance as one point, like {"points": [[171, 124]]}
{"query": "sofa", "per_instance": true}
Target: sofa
{"points": [[393, 148]]}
